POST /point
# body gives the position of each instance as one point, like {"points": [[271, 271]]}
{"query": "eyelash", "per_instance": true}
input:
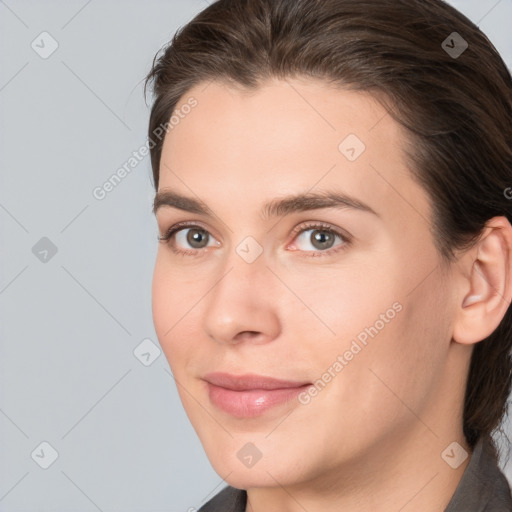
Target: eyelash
{"points": [[165, 238]]}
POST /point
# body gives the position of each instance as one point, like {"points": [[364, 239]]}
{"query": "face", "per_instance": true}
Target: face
{"points": [[297, 326]]}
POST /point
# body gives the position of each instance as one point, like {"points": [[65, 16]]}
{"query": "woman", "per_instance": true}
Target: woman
{"points": [[334, 274]]}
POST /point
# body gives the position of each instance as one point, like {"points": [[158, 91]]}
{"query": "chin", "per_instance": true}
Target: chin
{"points": [[269, 470], [252, 478]]}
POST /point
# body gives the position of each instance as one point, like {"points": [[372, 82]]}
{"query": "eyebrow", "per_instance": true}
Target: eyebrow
{"points": [[278, 207]]}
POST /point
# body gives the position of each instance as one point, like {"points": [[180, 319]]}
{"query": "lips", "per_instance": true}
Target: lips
{"points": [[249, 395]]}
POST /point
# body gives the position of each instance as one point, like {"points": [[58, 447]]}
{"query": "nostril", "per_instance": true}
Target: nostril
{"points": [[247, 335]]}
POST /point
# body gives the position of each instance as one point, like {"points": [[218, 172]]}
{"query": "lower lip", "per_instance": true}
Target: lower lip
{"points": [[251, 403]]}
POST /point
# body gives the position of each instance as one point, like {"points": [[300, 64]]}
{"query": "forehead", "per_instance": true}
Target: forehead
{"points": [[286, 137]]}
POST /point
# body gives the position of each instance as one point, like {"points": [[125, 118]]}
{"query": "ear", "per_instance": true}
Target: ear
{"points": [[486, 289]]}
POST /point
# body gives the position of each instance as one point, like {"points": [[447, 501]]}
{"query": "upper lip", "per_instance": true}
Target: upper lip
{"points": [[249, 381]]}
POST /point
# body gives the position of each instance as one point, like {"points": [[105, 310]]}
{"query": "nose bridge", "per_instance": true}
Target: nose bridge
{"points": [[245, 266], [241, 298], [244, 279]]}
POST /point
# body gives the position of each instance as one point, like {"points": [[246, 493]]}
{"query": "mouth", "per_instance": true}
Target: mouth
{"points": [[249, 395]]}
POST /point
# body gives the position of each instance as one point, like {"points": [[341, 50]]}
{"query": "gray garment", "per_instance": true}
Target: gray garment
{"points": [[483, 487]]}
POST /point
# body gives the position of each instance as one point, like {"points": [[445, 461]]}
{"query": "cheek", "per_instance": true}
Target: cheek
{"points": [[349, 302], [172, 295], [401, 366], [169, 307], [161, 293], [392, 342]]}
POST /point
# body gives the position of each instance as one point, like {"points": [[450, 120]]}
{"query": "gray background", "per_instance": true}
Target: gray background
{"points": [[70, 323]]}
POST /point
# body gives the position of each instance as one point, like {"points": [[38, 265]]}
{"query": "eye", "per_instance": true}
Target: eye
{"points": [[183, 235], [319, 238]]}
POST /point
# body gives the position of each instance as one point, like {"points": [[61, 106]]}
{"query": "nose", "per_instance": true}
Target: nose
{"points": [[243, 305]]}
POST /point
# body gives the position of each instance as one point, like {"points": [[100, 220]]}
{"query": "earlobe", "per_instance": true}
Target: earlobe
{"points": [[484, 305]]}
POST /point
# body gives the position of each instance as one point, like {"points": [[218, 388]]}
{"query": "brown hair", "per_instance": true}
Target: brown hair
{"points": [[457, 110]]}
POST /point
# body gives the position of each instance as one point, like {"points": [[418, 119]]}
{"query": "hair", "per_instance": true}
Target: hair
{"points": [[456, 111]]}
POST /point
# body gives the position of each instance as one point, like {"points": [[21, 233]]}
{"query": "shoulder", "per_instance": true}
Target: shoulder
{"points": [[483, 485], [229, 499]]}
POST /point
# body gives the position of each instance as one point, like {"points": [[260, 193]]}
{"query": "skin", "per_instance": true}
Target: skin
{"points": [[372, 439]]}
